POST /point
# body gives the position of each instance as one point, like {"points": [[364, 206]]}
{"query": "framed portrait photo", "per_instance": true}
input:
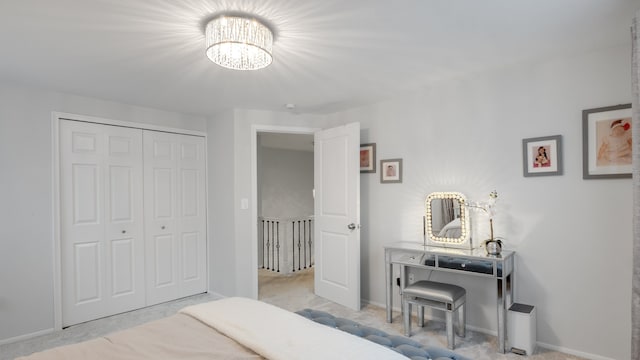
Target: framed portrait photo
{"points": [[542, 156], [606, 142], [368, 158], [391, 171]]}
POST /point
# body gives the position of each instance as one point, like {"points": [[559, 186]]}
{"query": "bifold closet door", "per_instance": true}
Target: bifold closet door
{"points": [[175, 219], [101, 220]]}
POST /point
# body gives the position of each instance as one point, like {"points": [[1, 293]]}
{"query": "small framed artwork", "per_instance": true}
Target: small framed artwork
{"points": [[391, 171], [368, 158], [606, 142], [542, 156]]}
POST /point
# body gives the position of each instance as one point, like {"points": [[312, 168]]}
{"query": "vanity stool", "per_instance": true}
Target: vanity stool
{"points": [[447, 297]]}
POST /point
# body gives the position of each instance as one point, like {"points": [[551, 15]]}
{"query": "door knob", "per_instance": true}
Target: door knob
{"points": [[351, 226], [162, 227], [124, 231]]}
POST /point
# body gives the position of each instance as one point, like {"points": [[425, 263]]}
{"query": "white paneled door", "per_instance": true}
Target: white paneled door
{"points": [[101, 220], [337, 214], [175, 223], [132, 218]]}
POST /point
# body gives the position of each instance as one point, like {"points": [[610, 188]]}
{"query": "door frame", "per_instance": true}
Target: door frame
{"points": [[255, 129], [56, 117]]}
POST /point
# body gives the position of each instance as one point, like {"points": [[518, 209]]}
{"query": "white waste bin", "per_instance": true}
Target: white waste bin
{"points": [[521, 328]]}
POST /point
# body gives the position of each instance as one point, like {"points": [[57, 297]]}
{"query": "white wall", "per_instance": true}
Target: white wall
{"points": [[573, 237], [221, 180], [26, 193], [285, 183]]}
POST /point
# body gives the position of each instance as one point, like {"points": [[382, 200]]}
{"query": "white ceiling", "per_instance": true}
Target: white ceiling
{"points": [[329, 55]]}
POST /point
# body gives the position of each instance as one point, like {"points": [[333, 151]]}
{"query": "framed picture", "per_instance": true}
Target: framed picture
{"points": [[368, 158], [606, 142], [542, 156], [391, 171]]}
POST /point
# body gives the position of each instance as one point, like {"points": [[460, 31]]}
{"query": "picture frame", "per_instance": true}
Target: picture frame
{"points": [[607, 142], [391, 171], [542, 156], [368, 158]]}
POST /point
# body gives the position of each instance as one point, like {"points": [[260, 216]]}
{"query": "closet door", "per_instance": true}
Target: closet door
{"points": [[193, 217], [101, 220], [175, 219]]}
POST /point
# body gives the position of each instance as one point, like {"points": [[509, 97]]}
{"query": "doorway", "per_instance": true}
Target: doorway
{"points": [[285, 206], [336, 243]]}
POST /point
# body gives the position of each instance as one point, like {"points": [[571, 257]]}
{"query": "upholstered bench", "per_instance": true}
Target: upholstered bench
{"points": [[447, 297], [409, 348]]}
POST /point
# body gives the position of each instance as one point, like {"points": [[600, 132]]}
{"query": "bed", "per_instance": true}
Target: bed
{"points": [[230, 329]]}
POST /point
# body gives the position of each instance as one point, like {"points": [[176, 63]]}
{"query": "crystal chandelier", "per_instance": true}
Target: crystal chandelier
{"points": [[239, 43]]}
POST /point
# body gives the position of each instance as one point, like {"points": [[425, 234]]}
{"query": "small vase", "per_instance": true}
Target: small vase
{"points": [[493, 247]]}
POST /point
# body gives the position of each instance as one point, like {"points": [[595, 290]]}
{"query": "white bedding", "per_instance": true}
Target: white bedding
{"points": [[278, 334]]}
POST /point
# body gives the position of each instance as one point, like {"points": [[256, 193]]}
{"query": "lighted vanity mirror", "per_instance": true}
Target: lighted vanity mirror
{"points": [[447, 220]]}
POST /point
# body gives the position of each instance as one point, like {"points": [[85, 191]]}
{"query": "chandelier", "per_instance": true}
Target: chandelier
{"points": [[239, 43]]}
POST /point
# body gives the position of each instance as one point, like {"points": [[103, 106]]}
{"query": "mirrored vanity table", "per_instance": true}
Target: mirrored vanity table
{"points": [[454, 255]]}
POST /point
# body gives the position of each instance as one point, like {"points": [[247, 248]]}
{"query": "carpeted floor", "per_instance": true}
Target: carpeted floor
{"points": [[299, 290], [292, 292]]}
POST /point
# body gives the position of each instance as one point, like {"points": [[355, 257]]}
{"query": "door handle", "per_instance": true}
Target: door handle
{"points": [[351, 226]]}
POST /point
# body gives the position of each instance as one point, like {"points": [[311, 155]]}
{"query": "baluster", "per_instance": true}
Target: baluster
{"points": [[278, 243], [273, 246], [299, 245], [268, 242], [310, 244], [304, 242], [293, 245], [262, 237]]}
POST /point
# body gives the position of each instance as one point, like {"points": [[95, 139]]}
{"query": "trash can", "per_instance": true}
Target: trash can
{"points": [[521, 328]]}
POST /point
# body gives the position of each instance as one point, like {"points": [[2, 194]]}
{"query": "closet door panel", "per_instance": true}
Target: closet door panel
{"points": [[164, 261], [81, 223], [122, 267], [121, 191], [190, 261], [124, 220], [160, 185], [192, 214], [100, 202], [86, 184], [87, 273], [163, 194], [190, 193], [176, 226]]}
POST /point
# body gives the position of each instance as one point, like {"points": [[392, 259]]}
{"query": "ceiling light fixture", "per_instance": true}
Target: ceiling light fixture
{"points": [[239, 43]]}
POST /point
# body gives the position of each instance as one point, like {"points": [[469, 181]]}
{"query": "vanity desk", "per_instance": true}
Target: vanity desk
{"points": [[474, 262]]}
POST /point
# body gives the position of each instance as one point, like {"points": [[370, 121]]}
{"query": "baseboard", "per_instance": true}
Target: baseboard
{"points": [[26, 336], [572, 352]]}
